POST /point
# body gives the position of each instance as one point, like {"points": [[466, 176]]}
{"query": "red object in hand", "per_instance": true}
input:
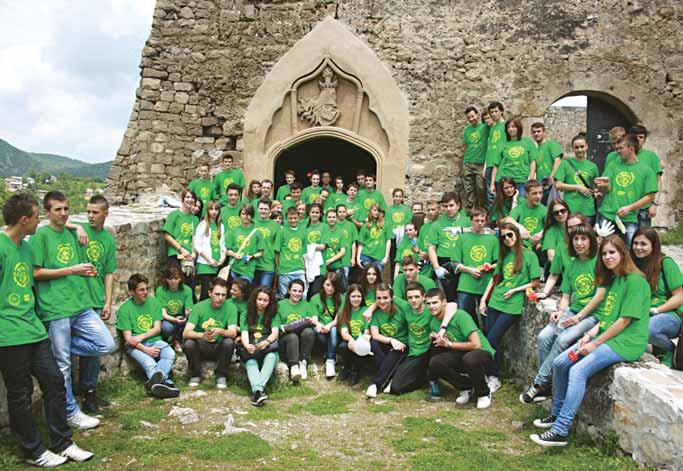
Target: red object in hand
{"points": [[573, 355], [486, 267], [531, 296]]}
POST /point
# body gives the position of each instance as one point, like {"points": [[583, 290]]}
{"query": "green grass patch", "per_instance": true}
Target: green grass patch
{"points": [[672, 236], [326, 404], [268, 412], [419, 395], [381, 408]]}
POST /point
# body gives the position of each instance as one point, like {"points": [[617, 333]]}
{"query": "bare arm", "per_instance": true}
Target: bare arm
{"points": [[673, 303]]}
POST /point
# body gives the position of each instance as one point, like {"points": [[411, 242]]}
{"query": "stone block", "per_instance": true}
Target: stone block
{"points": [[167, 95], [150, 83], [183, 86], [157, 168], [182, 98]]}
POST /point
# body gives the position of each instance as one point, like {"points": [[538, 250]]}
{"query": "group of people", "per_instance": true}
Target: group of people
{"points": [[428, 291]]}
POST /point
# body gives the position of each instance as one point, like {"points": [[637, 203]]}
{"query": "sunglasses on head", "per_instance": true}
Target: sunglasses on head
{"points": [[507, 235], [559, 211]]}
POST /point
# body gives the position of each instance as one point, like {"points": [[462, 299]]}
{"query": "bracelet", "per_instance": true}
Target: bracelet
{"points": [[444, 327]]}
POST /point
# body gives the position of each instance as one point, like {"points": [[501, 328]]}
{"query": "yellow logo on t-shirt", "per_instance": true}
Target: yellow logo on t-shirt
{"points": [[226, 183], [294, 244], [583, 284], [397, 217], [417, 329], [388, 329], [375, 232], [314, 236], [334, 242], [478, 253], [495, 136], [625, 179], [144, 321], [509, 270], [265, 232], [368, 202], [215, 240], [209, 324], [515, 151], [65, 253], [240, 240], [204, 193], [20, 275], [475, 136], [531, 223], [356, 327], [13, 299], [293, 317], [233, 222], [95, 250], [173, 307], [186, 229]]}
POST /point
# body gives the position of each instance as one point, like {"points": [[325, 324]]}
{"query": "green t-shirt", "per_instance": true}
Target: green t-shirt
{"points": [[367, 199], [175, 302], [445, 232], [215, 244], [205, 317], [258, 330], [612, 156], [548, 151], [494, 145], [515, 160], [282, 192], [553, 238], [394, 326], [241, 307], [288, 312], [205, 191], [578, 281], [334, 240], [629, 296], [496, 215], [269, 230], [310, 194], [373, 239], [531, 218], [530, 271], [568, 173], [670, 279], [325, 312], [334, 199], [234, 241], [139, 318], [230, 217], [101, 252], [314, 232], [398, 215], [181, 227], [408, 248], [474, 250], [357, 323], [400, 284], [475, 139], [223, 179], [291, 245], [355, 210], [628, 184], [418, 331], [67, 295], [460, 328], [560, 260], [370, 296], [351, 237], [19, 324]]}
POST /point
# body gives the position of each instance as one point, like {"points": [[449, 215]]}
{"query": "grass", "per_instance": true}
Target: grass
{"points": [[672, 236], [326, 404]]}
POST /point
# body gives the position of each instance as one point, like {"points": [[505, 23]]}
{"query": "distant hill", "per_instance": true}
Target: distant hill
{"points": [[17, 162]]}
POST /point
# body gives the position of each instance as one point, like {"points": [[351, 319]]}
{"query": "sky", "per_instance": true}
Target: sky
{"points": [[69, 73]]}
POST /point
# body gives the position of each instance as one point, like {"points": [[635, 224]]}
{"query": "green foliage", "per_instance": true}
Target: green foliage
{"points": [[673, 236], [326, 404]]}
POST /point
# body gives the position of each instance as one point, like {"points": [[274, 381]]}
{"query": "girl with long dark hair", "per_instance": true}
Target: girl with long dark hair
{"points": [[325, 306], [351, 324]]}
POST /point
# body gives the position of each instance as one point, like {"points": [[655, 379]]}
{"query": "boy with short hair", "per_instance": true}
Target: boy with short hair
{"points": [[294, 197], [230, 212], [529, 215], [284, 190], [354, 206], [351, 238], [265, 265], [474, 138], [223, 179], [410, 275], [289, 252], [203, 187], [210, 333], [548, 160], [326, 181], [494, 145], [139, 320], [370, 195]]}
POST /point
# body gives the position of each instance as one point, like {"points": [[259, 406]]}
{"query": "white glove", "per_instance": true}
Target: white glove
{"points": [[441, 273], [604, 229]]}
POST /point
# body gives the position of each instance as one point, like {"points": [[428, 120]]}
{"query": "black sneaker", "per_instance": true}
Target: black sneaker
{"points": [[165, 391], [354, 378], [257, 400], [344, 374], [89, 405], [549, 438], [534, 394], [545, 422], [157, 378]]}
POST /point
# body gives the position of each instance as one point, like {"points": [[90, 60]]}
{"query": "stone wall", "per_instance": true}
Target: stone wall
{"points": [[562, 123], [205, 60]]}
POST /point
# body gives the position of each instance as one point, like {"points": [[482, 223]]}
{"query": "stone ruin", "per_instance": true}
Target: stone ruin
{"points": [[392, 79]]}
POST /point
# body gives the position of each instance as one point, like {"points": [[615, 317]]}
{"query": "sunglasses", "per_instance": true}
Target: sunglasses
{"points": [[559, 211], [507, 235]]}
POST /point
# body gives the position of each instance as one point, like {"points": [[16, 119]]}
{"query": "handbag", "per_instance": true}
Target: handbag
{"points": [[295, 327], [225, 271]]}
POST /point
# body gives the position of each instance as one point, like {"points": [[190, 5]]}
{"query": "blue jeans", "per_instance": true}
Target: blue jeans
{"points": [[83, 334], [487, 183], [497, 323], [264, 278], [365, 261], [521, 188], [285, 279], [644, 219], [89, 369], [163, 363], [631, 228], [259, 376], [569, 382], [554, 340], [663, 327], [468, 302], [171, 331], [330, 341]]}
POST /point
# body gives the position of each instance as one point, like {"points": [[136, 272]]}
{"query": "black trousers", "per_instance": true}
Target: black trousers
{"points": [[297, 347], [18, 364], [204, 281], [198, 350], [386, 361], [411, 374], [464, 370], [448, 284], [349, 359]]}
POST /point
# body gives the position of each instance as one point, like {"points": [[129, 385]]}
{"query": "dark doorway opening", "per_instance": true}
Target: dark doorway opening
{"points": [[337, 156], [601, 116]]}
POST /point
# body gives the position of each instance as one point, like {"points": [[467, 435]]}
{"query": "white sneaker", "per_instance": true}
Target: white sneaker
{"points": [[48, 460], [464, 397], [329, 369], [295, 374], [222, 383], [371, 392], [387, 390], [494, 383], [82, 422], [77, 454], [484, 402], [303, 365], [194, 382]]}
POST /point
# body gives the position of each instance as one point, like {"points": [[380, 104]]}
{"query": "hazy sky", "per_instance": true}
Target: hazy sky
{"points": [[69, 73]]}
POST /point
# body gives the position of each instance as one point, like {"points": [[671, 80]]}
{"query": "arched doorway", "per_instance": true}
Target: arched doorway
{"points": [[591, 112], [338, 156]]}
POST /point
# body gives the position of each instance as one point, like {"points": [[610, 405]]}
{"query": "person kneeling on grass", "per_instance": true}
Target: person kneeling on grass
{"points": [[460, 356], [139, 320], [210, 334], [259, 348], [622, 334]]}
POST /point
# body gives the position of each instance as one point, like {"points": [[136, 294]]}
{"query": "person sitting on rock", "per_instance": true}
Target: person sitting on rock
{"points": [[210, 333], [139, 320]]}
